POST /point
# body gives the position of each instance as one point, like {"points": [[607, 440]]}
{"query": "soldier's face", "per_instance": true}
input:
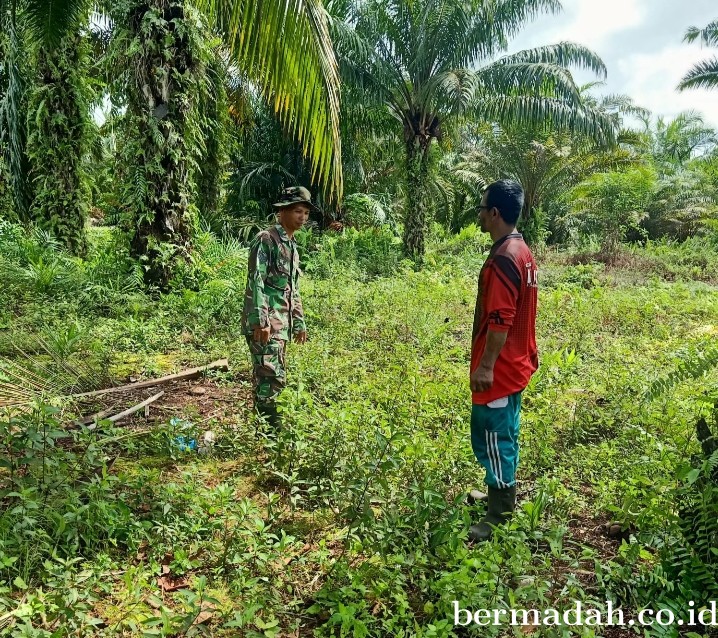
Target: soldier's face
{"points": [[294, 217]]}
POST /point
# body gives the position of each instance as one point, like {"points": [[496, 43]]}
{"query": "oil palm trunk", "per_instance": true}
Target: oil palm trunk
{"points": [[417, 176], [164, 76], [58, 141]]}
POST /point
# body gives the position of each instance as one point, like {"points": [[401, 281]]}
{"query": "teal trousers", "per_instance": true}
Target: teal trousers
{"points": [[495, 440]]}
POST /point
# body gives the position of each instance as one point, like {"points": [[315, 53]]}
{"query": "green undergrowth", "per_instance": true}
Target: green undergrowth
{"points": [[351, 522]]}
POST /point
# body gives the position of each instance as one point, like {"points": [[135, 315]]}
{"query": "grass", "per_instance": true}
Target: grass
{"points": [[351, 522]]}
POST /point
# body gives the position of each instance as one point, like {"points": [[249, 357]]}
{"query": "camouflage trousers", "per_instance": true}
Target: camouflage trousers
{"points": [[268, 373]]}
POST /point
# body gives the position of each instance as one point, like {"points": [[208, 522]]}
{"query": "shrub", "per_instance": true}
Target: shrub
{"points": [[468, 241], [374, 252], [363, 211], [609, 205]]}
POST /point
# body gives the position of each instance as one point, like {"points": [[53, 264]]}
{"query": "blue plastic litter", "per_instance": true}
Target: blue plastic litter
{"points": [[185, 444]]}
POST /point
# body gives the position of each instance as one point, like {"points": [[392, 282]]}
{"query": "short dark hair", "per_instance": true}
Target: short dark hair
{"points": [[508, 197]]}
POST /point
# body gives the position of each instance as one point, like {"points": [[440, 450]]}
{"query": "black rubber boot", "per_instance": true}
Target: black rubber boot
{"points": [[501, 505], [268, 412]]}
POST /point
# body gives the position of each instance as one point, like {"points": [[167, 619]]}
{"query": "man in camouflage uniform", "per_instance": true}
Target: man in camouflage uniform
{"points": [[273, 312]]}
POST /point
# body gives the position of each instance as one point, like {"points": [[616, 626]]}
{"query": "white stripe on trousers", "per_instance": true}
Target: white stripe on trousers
{"points": [[492, 450], [502, 483]]}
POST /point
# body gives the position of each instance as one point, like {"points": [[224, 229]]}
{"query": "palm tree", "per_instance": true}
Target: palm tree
{"points": [[28, 22], [680, 149], [458, 176], [431, 61], [545, 163], [549, 161], [685, 203], [281, 45], [672, 143], [704, 74]]}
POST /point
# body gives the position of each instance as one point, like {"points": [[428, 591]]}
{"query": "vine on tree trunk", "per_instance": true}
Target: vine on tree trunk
{"points": [[59, 126], [161, 50]]}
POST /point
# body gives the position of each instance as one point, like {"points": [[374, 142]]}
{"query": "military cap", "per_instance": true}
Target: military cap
{"points": [[295, 195]]}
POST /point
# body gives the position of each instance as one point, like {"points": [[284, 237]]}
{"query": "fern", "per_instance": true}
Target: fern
{"points": [[700, 361], [712, 464], [692, 560]]}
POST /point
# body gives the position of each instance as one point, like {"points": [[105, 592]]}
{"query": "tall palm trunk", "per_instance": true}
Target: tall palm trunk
{"points": [[417, 176], [15, 111], [165, 77], [58, 139], [526, 219], [214, 132]]}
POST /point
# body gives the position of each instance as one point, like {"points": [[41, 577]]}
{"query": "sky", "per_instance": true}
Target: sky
{"points": [[641, 43]]}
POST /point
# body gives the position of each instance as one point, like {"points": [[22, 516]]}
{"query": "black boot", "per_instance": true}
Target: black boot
{"points": [[501, 505], [268, 412]]}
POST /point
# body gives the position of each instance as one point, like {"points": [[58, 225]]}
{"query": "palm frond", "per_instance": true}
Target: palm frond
{"points": [[457, 86], [506, 18], [708, 35], [42, 369], [675, 141], [703, 75], [285, 46], [263, 172], [523, 110], [696, 362], [528, 78], [47, 21], [99, 33], [563, 54], [622, 104]]}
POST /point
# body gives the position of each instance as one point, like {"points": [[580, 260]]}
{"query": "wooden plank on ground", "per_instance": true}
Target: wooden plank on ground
{"points": [[102, 416], [192, 373]]}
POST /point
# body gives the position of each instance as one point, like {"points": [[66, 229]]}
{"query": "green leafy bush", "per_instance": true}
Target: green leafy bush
{"points": [[59, 500], [362, 211], [374, 252], [469, 241], [610, 205]]}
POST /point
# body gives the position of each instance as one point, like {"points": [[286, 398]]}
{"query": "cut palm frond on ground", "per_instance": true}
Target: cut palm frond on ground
{"points": [[49, 375], [106, 415], [43, 370]]}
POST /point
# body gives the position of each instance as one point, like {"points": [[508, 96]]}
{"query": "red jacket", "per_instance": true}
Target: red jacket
{"points": [[506, 302]]}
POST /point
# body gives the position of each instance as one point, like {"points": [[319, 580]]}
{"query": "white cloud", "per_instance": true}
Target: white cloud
{"points": [[651, 80], [640, 42], [592, 23], [583, 21]]}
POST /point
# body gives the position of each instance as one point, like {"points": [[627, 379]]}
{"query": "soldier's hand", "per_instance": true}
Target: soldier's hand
{"points": [[262, 335], [301, 337], [482, 379]]}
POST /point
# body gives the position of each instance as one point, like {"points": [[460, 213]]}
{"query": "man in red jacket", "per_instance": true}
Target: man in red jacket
{"points": [[503, 350]]}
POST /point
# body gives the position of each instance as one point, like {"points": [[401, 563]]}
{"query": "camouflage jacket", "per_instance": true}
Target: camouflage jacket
{"points": [[272, 294]]}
